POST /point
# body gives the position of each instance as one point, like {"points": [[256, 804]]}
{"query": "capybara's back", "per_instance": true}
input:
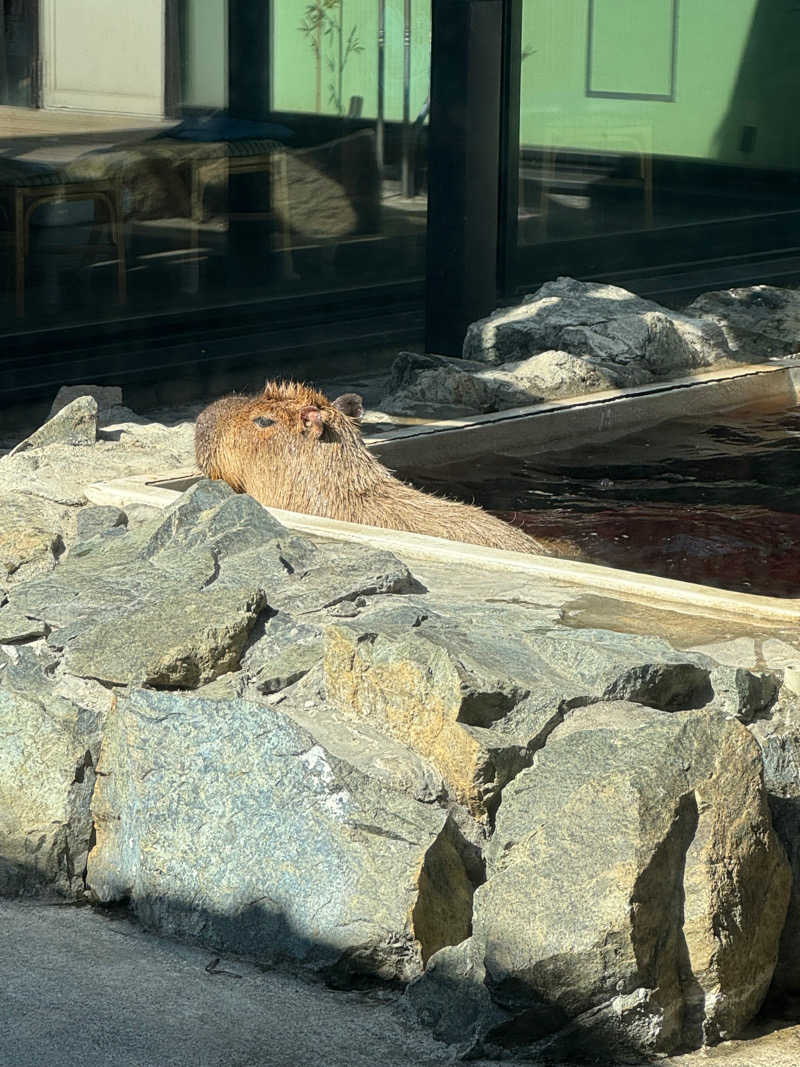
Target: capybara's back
{"points": [[291, 448]]}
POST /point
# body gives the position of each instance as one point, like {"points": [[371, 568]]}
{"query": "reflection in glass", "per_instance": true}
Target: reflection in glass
{"points": [[173, 158], [657, 136]]}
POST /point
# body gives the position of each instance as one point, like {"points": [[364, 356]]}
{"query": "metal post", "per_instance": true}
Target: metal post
{"points": [[407, 178], [379, 122], [508, 222], [249, 89], [249, 59], [463, 166]]}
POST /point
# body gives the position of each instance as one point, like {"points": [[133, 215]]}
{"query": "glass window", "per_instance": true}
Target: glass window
{"points": [[184, 154], [658, 141]]}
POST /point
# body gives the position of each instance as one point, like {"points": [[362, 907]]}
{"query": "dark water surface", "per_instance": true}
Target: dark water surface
{"points": [[714, 504]]}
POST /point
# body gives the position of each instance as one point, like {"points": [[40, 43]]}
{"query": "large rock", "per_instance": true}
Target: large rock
{"points": [[602, 323], [105, 396], [556, 374], [174, 603], [204, 638], [364, 747], [74, 424], [567, 339], [31, 536], [282, 652], [48, 755], [759, 321], [778, 734], [635, 888], [49, 465], [227, 822], [442, 388], [478, 701]]}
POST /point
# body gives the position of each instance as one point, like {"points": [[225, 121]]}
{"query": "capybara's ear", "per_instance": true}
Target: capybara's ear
{"points": [[311, 420], [350, 404]]}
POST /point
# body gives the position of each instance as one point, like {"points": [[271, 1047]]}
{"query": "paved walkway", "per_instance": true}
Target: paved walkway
{"points": [[79, 988]]}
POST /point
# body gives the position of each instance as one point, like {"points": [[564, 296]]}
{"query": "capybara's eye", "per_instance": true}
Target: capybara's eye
{"points": [[263, 421]]}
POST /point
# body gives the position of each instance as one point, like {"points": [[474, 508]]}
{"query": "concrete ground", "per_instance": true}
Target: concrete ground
{"points": [[77, 987]]}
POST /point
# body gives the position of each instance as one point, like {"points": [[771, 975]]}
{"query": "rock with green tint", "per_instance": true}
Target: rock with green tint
{"points": [[227, 822]]}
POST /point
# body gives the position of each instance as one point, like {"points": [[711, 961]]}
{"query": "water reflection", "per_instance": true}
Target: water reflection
{"points": [[714, 504]]}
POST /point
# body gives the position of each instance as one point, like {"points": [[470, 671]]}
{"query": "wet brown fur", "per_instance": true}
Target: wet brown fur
{"points": [[313, 460]]}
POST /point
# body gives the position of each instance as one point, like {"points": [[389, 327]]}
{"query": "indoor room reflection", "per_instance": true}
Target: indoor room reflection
{"points": [[657, 133], [177, 154]]}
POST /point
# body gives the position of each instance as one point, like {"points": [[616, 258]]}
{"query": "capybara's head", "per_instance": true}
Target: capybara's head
{"points": [[279, 436], [286, 409]]}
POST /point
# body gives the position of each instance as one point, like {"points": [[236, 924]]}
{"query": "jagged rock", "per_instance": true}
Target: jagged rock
{"points": [[30, 537], [15, 627], [60, 472], [478, 702], [203, 639], [281, 653], [452, 1000], [436, 387], [602, 323], [75, 424], [227, 822], [744, 693], [567, 339], [105, 396], [93, 521], [635, 887], [559, 374], [47, 760], [367, 748], [441, 388], [778, 734], [341, 573], [199, 577], [759, 321]]}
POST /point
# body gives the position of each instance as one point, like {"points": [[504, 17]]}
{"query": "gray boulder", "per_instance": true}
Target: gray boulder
{"points": [[364, 746], [451, 999], [226, 822], [778, 734], [556, 374], [281, 652], [599, 323], [567, 339], [75, 424], [175, 602], [635, 888], [47, 773], [442, 388], [759, 321], [105, 396], [16, 628], [31, 536], [174, 639], [95, 521], [477, 701]]}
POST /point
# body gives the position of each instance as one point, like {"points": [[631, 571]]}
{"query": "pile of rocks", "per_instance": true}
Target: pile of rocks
{"points": [[293, 751], [572, 337]]}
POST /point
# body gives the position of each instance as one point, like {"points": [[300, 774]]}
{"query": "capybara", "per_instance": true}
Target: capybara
{"points": [[292, 448]]}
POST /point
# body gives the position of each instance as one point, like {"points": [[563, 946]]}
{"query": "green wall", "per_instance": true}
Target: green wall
{"points": [[738, 65], [295, 67], [736, 88]]}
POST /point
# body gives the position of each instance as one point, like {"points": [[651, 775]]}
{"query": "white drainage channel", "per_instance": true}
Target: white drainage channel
{"points": [[541, 427]]}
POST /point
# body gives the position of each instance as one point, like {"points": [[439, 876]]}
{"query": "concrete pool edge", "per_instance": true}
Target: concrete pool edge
{"points": [[594, 416]]}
